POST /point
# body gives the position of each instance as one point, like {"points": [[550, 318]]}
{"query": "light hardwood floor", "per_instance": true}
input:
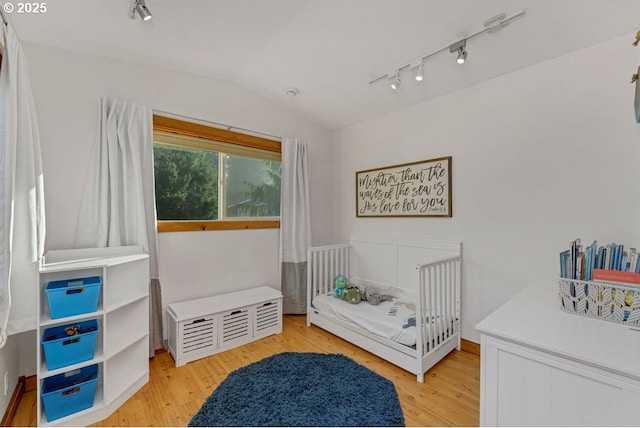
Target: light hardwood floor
{"points": [[449, 395]]}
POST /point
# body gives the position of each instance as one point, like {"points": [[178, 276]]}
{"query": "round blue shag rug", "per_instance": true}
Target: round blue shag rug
{"points": [[302, 389]]}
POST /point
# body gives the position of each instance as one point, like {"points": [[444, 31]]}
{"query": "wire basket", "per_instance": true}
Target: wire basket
{"points": [[618, 303]]}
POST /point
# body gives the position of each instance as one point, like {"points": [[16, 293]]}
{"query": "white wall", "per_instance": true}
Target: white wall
{"points": [[9, 363], [67, 88], [540, 156]]}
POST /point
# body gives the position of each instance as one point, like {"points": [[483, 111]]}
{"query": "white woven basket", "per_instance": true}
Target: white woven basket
{"points": [[618, 303]]}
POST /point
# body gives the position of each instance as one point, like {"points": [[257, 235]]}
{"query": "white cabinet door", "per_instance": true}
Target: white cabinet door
{"points": [[528, 387]]}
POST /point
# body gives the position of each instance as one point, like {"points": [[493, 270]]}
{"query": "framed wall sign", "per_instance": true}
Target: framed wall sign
{"points": [[636, 101], [409, 190]]}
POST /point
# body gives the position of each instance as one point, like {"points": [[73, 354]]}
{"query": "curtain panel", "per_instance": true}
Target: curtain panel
{"points": [[118, 201], [295, 225], [22, 223]]}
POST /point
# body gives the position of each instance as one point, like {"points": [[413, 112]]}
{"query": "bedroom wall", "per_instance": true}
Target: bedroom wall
{"points": [[540, 156], [67, 88]]}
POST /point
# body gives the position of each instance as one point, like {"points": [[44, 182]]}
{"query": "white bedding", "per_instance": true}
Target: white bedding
{"points": [[395, 320]]}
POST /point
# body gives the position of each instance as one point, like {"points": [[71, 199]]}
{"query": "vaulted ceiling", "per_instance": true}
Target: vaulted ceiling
{"points": [[330, 49]]}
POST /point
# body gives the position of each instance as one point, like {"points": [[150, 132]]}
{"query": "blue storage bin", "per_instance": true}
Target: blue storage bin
{"points": [[61, 349], [70, 392], [76, 296]]}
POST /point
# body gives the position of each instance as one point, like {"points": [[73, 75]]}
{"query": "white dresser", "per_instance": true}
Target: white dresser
{"points": [[541, 366]]}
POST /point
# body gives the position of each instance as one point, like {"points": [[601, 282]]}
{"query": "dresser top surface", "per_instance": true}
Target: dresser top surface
{"points": [[535, 319]]}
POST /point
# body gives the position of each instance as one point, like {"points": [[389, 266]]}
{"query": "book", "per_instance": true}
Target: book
{"points": [[576, 250], [633, 259], [618, 265], [592, 260], [608, 275], [607, 259], [600, 258], [564, 263], [580, 266]]}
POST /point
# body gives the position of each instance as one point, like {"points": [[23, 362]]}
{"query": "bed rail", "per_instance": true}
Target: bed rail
{"points": [[439, 303], [324, 263]]}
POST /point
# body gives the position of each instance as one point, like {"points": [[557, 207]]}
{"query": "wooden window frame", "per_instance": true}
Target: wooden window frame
{"points": [[191, 129]]}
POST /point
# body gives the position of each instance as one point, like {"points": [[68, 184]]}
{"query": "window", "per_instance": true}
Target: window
{"points": [[209, 179]]}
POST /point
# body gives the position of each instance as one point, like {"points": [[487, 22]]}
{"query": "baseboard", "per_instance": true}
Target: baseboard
{"points": [[30, 383], [469, 346], [12, 407]]}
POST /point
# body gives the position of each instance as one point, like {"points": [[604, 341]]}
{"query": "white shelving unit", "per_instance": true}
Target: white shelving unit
{"points": [[122, 346]]}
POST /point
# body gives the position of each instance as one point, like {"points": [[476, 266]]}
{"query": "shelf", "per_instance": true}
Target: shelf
{"points": [[83, 258], [133, 299], [46, 321], [124, 346], [122, 314]]}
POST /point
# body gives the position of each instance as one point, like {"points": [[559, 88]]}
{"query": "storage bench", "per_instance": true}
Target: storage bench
{"points": [[202, 327]]}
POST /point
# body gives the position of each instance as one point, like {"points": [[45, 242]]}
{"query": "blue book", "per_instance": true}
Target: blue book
{"points": [[564, 259], [619, 259], [600, 258], [614, 257], [592, 259], [608, 257]]}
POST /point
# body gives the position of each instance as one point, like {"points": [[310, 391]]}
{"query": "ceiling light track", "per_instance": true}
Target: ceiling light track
{"points": [[459, 47]]}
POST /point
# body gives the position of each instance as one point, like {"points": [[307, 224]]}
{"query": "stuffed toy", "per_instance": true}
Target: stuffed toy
{"points": [[340, 285], [352, 294], [373, 296], [72, 330]]}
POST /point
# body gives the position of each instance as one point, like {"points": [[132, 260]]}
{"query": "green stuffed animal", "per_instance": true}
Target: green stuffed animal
{"points": [[340, 283], [352, 294]]}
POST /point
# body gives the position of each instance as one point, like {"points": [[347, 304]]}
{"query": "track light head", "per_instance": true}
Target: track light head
{"points": [[460, 48], [418, 66], [140, 7], [395, 82], [462, 55]]}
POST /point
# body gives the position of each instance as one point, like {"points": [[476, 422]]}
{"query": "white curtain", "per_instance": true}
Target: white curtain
{"points": [[295, 225], [22, 224], [118, 202]]}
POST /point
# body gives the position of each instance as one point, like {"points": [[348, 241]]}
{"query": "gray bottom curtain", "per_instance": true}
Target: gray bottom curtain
{"points": [[155, 317], [294, 288]]}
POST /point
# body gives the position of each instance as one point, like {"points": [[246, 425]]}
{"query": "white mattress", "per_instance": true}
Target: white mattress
{"points": [[395, 320]]}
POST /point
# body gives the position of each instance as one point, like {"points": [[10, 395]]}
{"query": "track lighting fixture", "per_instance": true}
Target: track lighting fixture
{"points": [[459, 47], [395, 83], [140, 7], [462, 55], [419, 70]]}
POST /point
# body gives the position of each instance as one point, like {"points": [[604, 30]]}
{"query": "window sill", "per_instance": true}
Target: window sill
{"points": [[192, 226]]}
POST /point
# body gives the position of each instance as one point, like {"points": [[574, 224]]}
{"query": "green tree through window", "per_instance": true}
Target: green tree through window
{"points": [[266, 196], [252, 187], [186, 183]]}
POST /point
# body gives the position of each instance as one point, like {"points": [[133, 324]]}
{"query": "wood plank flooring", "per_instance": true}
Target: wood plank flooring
{"points": [[449, 396]]}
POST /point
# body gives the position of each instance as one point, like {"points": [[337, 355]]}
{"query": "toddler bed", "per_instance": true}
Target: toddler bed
{"points": [[421, 323]]}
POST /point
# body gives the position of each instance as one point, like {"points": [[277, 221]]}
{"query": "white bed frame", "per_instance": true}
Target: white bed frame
{"points": [[425, 270]]}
